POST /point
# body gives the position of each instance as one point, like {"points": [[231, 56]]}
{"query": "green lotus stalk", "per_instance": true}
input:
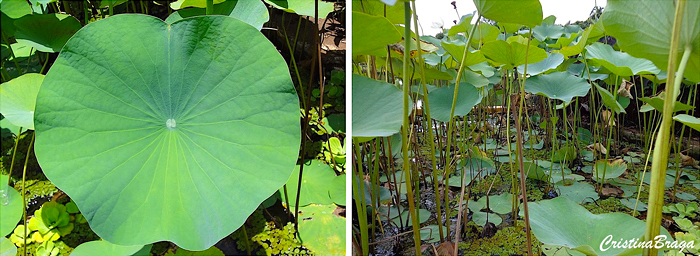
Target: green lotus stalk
{"points": [[519, 129], [358, 192], [661, 147], [431, 136], [210, 7], [374, 175], [24, 191], [12, 164], [404, 127], [451, 124]]}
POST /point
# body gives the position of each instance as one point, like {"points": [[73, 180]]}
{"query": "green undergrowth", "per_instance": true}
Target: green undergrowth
{"points": [[507, 241], [607, 205]]}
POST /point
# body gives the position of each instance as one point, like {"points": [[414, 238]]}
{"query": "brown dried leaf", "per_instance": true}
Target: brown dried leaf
{"points": [[446, 248], [608, 121], [612, 191], [598, 147], [688, 161], [625, 88]]}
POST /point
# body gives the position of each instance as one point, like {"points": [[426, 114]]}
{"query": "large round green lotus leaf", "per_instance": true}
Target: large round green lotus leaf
{"points": [[321, 230], [46, 32], [611, 169], [484, 33], [658, 104], [618, 63], [462, 26], [179, 4], [17, 98], [7, 248], [474, 78], [315, 183], [21, 51], [558, 85], [307, 8], [690, 121], [10, 207], [579, 44], [212, 251], [113, 3], [430, 73], [609, 100], [545, 31], [337, 190], [10, 11], [372, 41], [560, 221], [251, 12], [623, 20], [395, 13], [549, 63], [102, 247], [180, 130], [512, 54], [441, 101], [524, 12], [377, 108], [456, 50]]}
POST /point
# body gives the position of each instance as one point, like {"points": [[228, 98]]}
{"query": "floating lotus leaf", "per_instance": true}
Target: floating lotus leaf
{"points": [[611, 170], [500, 204], [579, 192], [10, 207], [18, 97], [321, 230], [560, 221], [377, 108], [480, 218], [315, 183], [558, 85], [431, 233], [6, 247], [441, 101], [157, 131]]}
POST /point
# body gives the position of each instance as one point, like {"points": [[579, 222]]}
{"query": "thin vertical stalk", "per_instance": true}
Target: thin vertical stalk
{"points": [[210, 7], [24, 190], [519, 132], [358, 191], [451, 124], [431, 136], [661, 147], [404, 127]]}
